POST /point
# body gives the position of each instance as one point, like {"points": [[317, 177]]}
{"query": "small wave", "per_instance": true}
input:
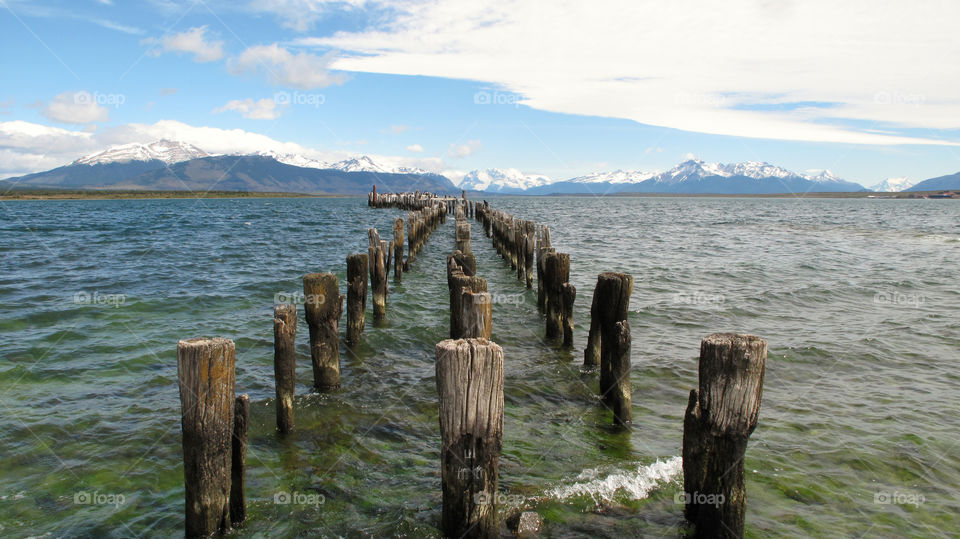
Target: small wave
{"points": [[635, 484]]}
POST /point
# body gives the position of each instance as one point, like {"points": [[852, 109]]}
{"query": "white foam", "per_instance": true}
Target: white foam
{"points": [[637, 484]]}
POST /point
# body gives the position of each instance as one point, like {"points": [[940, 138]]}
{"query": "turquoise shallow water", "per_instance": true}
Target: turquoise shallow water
{"points": [[858, 299]]}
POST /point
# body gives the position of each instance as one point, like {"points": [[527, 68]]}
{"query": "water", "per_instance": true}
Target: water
{"points": [[857, 298]]}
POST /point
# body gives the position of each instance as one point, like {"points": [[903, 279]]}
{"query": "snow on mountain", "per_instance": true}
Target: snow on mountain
{"points": [[823, 176], [410, 170], [500, 179], [294, 159], [757, 169], [892, 185], [360, 164], [617, 176], [168, 151]]}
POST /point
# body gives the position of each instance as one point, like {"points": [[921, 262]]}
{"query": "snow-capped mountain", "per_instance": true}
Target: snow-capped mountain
{"points": [[615, 177], [892, 185], [294, 159], [359, 164], [756, 169], [502, 180], [823, 176], [168, 151]]}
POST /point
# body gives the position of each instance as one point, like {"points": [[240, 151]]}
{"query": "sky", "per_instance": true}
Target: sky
{"points": [[866, 89]]}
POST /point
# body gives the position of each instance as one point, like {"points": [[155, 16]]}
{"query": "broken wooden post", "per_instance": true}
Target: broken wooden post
{"points": [[398, 249], [469, 377], [238, 467], [285, 363], [463, 236], [356, 296], [207, 378], [476, 315], [620, 394], [613, 301], [458, 283], [568, 295], [721, 414], [378, 274], [323, 306]]}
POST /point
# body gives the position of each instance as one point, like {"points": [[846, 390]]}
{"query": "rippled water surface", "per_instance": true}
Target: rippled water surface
{"points": [[858, 434]]}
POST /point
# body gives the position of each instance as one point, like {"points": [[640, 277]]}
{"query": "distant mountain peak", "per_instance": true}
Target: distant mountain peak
{"points": [[502, 179], [168, 151], [892, 185]]}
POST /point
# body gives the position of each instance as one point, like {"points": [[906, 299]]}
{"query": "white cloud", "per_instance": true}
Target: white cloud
{"points": [[302, 70], [415, 148], [817, 70], [260, 109], [193, 41], [459, 151], [397, 129], [76, 108]]}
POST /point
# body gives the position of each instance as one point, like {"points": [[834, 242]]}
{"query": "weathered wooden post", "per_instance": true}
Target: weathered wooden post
{"points": [[238, 467], [323, 306], [356, 296], [613, 301], [398, 249], [620, 394], [207, 377], [463, 236], [721, 414], [285, 363], [476, 315], [378, 274], [458, 283], [470, 386], [556, 274], [568, 293]]}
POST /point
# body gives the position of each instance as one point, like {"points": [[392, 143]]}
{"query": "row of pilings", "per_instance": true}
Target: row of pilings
{"points": [[720, 415]]}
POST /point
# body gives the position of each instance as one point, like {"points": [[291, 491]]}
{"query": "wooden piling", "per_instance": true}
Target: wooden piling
{"points": [[238, 467], [721, 414], [458, 283], [378, 274], [285, 363], [476, 315], [556, 274], [323, 307], [357, 269], [207, 378], [613, 300], [398, 249], [469, 376], [620, 394]]}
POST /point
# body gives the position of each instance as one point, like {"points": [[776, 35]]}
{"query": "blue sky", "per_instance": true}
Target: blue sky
{"points": [[454, 86]]}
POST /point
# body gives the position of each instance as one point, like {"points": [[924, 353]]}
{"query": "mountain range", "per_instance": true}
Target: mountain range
{"points": [[174, 165]]}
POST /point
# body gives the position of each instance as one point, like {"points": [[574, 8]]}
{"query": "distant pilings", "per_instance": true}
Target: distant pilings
{"points": [[721, 414], [469, 376]]}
